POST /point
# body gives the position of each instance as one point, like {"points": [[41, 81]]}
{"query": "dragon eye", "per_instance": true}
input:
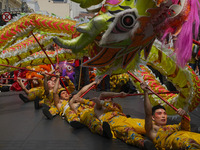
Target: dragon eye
{"points": [[128, 21], [125, 23]]}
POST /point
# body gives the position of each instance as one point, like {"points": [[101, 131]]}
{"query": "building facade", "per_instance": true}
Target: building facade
{"points": [[58, 7], [10, 5], [14, 7], [33, 4], [61, 8]]}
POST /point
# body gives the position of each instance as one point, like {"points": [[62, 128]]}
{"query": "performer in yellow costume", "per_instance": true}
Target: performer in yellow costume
{"points": [[79, 112], [48, 95], [36, 91], [170, 137], [130, 130]]}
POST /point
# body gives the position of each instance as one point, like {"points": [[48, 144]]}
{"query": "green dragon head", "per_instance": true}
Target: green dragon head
{"points": [[124, 27]]}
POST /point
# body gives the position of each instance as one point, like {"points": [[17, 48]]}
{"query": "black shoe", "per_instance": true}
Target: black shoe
{"points": [[23, 98], [76, 124], [36, 103], [45, 106], [106, 130], [47, 113], [128, 116], [148, 145]]}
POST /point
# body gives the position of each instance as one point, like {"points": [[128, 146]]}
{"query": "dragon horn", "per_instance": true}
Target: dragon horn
{"points": [[94, 10]]}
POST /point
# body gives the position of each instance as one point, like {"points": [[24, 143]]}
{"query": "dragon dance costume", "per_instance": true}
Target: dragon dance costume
{"points": [[175, 137], [85, 115], [49, 99], [129, 130], [36, 91]]}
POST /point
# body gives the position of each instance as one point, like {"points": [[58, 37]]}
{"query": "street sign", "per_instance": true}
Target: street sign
{"points": [[6, 16]]}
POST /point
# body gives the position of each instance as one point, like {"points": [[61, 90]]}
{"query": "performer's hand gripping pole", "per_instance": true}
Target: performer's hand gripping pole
{"points": [[49, 60], [158, 95]]}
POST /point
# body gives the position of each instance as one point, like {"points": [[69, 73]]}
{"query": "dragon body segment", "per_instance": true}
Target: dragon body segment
{"points": [[184, 79], [39, 58], [22, 27], [22, 50]]}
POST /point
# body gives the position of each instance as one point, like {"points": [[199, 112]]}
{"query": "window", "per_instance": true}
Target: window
{"points": [[0, 5]]}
